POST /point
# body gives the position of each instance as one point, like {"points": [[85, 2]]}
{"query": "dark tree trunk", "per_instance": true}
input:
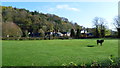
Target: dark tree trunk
{"points": [[72, 33], [102, 33], [97, 33], [78, 34], [25, 33]]}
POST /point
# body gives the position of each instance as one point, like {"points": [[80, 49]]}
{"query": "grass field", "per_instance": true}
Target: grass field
{"points": [[56, 52]]}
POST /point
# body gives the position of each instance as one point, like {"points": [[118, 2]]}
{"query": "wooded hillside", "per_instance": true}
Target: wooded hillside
{"points": [[33, 21]]}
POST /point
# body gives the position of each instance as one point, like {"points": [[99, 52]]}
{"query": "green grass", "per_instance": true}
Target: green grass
{"points": [[56, 52]]}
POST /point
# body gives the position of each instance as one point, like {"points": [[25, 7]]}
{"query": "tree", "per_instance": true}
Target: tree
{"points": [[77, 26], [42, 33], [31, 22], [95, 23], [72, 33], [107, 32], [100, 25], [117, 24], [25, 33], [44, 28], [78, 34], [11, 29]]}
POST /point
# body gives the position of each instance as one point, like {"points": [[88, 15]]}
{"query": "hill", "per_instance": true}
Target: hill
{"points": [[33, 21]]}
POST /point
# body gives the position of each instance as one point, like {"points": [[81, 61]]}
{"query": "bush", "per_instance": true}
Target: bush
{"points": [[96, 64], [10, 29]]}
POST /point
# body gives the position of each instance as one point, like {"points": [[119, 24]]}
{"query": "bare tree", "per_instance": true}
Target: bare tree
{"points": [[100, 26], [95, 23], [117, 24]]}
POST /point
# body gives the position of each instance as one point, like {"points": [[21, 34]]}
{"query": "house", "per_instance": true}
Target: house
{"points": [[58, 34], [83, 33], [87, 33], [34, 34], [65, 33]]}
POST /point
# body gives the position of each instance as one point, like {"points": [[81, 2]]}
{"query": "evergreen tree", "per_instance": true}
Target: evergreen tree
{"points": [[72, 33], [78, 34]]}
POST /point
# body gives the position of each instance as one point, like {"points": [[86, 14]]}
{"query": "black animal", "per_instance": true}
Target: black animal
{"points": [[100, 41]]}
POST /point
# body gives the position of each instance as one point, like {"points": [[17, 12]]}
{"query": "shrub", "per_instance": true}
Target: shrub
{"points": [[10, 29]]}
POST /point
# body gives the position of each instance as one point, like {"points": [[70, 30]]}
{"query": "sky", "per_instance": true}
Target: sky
{"points": [[82, 13], [59, 0]]}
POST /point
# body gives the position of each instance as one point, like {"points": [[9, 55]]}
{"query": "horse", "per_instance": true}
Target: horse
{"points": [[100, 41]]}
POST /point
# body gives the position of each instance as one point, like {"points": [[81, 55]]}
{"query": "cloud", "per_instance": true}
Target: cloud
{"points": [[51, 9], [63, 7], [67, 7]]}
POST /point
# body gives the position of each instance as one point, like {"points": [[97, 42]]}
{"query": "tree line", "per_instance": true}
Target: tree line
{"points": [[19, 22]]}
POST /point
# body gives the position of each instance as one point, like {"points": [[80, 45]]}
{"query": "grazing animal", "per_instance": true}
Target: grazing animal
{"points": [[100, 41]]}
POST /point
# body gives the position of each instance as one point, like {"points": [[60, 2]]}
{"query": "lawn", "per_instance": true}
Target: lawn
{"points": [[56, 52]]}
